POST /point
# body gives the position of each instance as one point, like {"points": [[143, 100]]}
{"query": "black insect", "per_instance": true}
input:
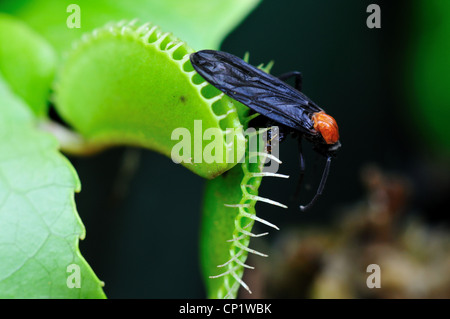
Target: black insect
{"points": [[274, 99]]}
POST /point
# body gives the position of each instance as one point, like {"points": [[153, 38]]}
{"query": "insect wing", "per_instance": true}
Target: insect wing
{"points": [[256, 89]]}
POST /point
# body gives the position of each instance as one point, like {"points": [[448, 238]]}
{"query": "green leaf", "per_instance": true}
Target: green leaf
{"points": [[201, 23], [27, 63], [39, 225]]}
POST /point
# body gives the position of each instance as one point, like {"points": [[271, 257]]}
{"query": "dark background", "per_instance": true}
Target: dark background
{"points": [[142, 238]]}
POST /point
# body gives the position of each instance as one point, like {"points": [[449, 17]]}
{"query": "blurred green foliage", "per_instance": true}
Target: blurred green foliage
{"points": [[188, 20], [27, 62], [429, 72]]}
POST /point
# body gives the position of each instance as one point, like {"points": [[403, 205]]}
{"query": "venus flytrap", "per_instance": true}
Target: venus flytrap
{"points": [[126, 83], [130, 83], [140, 88]]}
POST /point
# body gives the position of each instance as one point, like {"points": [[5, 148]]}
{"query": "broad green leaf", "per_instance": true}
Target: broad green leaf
{"points": [[27, 62], [39, 225], [201, 23]]}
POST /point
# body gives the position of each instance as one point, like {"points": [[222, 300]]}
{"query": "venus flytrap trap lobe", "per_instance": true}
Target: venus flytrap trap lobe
{"points": [[227, 252], [228, 217], [140, 69]]}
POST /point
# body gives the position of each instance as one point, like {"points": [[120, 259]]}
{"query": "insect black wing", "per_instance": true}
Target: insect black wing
{"points": [[262, 92]]}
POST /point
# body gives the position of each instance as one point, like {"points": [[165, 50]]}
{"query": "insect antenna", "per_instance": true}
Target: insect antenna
{"points": [[321, 186]]}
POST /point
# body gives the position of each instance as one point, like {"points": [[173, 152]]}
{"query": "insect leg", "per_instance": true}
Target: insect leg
{"points": [[321, 186], [298, 78], [282, 132], [279, 134], [302, 167]]}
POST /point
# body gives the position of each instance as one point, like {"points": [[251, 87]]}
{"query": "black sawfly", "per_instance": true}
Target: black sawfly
{"points": [[274, 99]]}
